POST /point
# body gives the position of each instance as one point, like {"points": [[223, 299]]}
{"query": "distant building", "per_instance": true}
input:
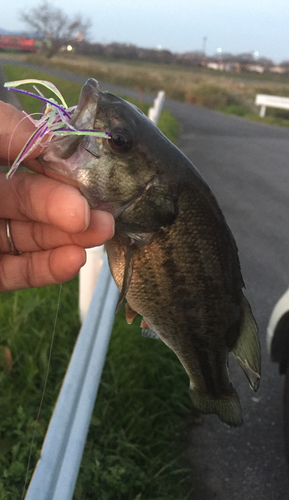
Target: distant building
{"points": [[279, 70], [255, 68], [221, 66], [216, 66]]}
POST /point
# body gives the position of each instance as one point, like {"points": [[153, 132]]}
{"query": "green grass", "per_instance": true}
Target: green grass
{"points": [[131, 446], [26, 325], [131, 452]]}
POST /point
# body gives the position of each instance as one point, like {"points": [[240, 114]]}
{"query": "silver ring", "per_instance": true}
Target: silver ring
{"points": [[13, 248]]}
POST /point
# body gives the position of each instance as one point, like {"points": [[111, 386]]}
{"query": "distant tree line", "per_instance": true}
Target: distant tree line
{"points": [[129, 51]]}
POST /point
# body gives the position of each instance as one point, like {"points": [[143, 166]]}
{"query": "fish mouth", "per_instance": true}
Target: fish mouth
{"points": [[62, 148], [86, 109]]}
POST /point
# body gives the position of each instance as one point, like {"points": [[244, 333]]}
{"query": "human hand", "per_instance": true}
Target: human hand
{"points": [[50, 222]]}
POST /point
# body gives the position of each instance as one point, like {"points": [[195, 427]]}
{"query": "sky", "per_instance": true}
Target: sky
{"points": [[235, 26]]}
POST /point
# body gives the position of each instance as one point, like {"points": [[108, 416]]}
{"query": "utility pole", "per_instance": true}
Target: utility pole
{"points": [[204, 50], [204, 44]]}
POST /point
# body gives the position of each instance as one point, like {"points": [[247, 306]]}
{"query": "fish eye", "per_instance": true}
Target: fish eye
{"points": [[120, 141]]}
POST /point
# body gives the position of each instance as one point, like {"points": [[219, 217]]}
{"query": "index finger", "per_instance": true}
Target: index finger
{"points": [[39, 198], [15, 130]]}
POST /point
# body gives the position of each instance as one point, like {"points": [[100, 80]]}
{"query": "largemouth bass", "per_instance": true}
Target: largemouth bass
{"points": [[173, 256]]}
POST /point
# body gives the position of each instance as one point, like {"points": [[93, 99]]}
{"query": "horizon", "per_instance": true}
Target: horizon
{"points": [[258, 27], [256, 57]]}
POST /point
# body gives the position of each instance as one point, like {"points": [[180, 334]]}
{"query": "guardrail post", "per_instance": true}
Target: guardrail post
{"points": [[155, 111], [272, 101], [262, 111], [88, 277]]}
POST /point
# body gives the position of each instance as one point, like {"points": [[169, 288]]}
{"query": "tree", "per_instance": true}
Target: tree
{"points": [[54, 27]]}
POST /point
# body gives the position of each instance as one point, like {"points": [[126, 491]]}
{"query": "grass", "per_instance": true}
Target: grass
{"points": [[131, 447], [232, 93], [131, 452]]}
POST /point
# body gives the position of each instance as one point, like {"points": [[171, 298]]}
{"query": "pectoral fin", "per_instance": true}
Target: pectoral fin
{"points": [[247, 347], [148, 332], [128, 270]]}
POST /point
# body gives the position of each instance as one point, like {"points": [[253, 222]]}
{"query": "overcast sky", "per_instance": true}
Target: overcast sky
{"points": [[235, 26]]}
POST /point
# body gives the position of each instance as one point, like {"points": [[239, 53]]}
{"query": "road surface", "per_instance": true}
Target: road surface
{"points": [[247, 168]]}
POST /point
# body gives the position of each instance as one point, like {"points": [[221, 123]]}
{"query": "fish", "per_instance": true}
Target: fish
{"points": [[173, 256]]}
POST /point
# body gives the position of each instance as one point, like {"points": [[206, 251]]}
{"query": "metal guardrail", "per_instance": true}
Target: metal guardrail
{"points": [[88, 278], [272, 101], [57, 469], [56, 472]]}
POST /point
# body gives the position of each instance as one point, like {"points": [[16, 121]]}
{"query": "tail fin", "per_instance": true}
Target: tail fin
{"points": [[228, 409], [247, 347]]}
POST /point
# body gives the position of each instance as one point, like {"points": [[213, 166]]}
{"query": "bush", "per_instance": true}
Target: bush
{"points": [[210, 96], [234, 109], [218, 98], [278, 113]]}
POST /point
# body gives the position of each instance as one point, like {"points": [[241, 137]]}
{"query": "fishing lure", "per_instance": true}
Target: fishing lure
{"points": [[54, 119]]}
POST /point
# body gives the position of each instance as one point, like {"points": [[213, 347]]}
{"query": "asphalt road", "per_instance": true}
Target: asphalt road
{"points": [[246, 166]]}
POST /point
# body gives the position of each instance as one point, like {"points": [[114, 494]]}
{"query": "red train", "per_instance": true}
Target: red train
{"points": [[17, 43]]}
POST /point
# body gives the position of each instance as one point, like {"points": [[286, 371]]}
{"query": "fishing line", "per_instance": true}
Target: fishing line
{"points": [[43, 392], [25, 117], [10, 161]]}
